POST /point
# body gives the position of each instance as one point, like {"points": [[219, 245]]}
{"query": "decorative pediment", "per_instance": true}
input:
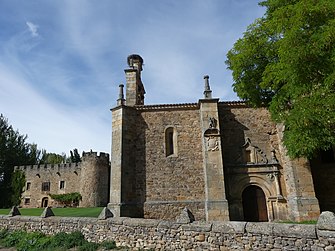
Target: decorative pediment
{"points": [[253, 154]]}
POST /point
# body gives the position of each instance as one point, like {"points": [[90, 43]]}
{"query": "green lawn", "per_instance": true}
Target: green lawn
{"points": [[66, 212]]}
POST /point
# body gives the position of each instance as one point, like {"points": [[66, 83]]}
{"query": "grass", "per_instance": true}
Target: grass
{"points": [[65, 212]]}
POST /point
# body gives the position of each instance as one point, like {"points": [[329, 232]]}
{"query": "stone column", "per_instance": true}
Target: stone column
{"points": [[116, 161], [216, 205]]}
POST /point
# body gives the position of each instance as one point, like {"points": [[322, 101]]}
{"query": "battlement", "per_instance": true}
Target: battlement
{"points": [[91, 154], [49, 167]]}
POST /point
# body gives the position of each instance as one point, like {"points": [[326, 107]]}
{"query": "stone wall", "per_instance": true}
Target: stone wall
{"points": [[175, 181], [168, 235], [33, 195]]}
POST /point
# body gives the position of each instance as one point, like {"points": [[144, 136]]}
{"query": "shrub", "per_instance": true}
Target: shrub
{"points": [[108, 245], [88, 246], [13, 238]]}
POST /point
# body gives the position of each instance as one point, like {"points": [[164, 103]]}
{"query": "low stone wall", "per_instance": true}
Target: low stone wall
{"points": [[167, 235]]}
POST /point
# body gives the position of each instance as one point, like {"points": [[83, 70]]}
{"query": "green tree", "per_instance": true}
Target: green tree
{"points": [[14, 150], [286, 61], [18, 183], [52, 158]]}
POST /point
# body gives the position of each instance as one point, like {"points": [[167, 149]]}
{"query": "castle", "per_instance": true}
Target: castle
{"points": [[221, 160]]}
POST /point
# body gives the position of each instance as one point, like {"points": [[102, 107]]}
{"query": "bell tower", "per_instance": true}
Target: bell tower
{"points": [[134, 86]]}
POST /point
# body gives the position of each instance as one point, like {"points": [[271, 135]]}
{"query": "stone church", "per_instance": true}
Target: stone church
{"points": [[221, 160]]}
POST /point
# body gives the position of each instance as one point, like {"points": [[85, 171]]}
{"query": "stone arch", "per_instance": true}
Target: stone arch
{"points": [[237, 186], [262, 182], [45, 202]]}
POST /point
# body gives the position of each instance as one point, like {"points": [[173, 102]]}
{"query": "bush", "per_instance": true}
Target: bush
{"points": [[67, 240], [88, 246], [13, 238], [108, 245]]}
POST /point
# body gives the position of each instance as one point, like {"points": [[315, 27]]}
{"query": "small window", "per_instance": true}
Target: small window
{"points": [[45, 186], [62, 184], [26, 201], [28, 186], [170, 141]]}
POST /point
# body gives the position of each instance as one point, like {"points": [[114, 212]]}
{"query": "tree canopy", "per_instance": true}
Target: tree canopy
{"points": [[286, 61], [14, 150]]}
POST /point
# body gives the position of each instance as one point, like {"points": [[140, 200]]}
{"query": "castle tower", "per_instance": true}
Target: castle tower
{"points": [[94, 182], [134, 86]]}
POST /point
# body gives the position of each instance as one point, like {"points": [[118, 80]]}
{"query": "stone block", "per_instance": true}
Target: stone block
{"points": [[185, 216], [138, 222], [259, 228], [105, 213], [229, 227], [198, 226], [47, 212], [294, 230], [14, 211]]}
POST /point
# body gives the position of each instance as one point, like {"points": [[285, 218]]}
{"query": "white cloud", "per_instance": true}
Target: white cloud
{"points": [[32, 28]]}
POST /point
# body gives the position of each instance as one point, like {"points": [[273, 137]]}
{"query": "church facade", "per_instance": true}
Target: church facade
{"points": [[221, 160]]}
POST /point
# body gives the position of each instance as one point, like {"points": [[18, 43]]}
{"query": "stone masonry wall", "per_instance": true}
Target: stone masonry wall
{"points": [[37, 174], [168, 235], [172, 182]]}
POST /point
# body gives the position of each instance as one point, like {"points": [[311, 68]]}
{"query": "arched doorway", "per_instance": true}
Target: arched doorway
{"points": [[45, 202], [254, 204]]}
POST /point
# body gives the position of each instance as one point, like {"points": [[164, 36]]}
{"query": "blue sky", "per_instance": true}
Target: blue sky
{"points": [[61, 61]]}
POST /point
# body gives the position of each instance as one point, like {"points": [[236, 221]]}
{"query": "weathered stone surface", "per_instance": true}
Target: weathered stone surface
{"points": [[105, 213], [294, 230], [326, 221], [229, 227], [259, 228], [198, 226], [47, 212], [163, 235], [141, 222]]}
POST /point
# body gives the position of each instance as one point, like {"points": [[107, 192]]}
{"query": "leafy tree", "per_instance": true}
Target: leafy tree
{"points": [[75, 157], [52, 158], [286, 61], [13, 151], [18, 183]]}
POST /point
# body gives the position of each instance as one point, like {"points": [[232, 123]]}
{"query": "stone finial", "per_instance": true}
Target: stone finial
{"points": [[14, 211], [185, 216], [326, 221], [47, 212], [121, 99], [105, 213], [207, 92]]}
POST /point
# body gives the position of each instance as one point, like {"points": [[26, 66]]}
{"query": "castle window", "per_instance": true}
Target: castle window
{"points": [[28, 186], [45, 186], [26, 201], [62, 184], [170, 141]]}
